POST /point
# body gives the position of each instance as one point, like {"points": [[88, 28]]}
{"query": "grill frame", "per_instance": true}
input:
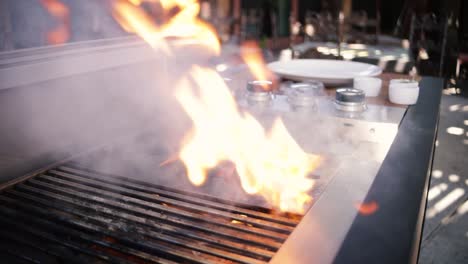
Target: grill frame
{"points": [[58, 197], [419, 125]]}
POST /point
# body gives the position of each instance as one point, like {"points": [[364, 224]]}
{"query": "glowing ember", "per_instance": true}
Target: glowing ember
{"points": [[367, 208], [61, 33], [268, 164]]}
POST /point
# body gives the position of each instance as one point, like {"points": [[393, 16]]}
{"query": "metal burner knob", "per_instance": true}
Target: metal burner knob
{"points": [[350, 100], [259, 92], [304, 94], [350, 95]]}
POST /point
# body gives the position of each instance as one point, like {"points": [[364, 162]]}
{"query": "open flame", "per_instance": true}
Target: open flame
{"points": [[185, 23], [270, 164], [252, 56], [61, 33]]}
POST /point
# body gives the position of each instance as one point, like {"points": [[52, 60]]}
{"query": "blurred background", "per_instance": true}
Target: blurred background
{"points": [[429, 34]]}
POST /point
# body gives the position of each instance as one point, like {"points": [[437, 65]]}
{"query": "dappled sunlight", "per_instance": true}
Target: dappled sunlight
{"points": [[454, 107], [453, 178], [457, 131], [463, 209], [447, 205], [436, 191], [437, 174], [445, 191], [445, 202]]}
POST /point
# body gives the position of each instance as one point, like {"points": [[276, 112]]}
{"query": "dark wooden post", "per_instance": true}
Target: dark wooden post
{"points": [[236, 12], [295, 10]]}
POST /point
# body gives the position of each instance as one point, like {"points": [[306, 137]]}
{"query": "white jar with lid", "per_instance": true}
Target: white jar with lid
{"points": [[403, 91]]}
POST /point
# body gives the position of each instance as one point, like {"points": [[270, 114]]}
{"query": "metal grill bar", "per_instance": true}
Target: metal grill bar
{"points": [[28, 225], [146, 223], [128, 240], [94, 198], [114, 224], [107, 185], [199, 199], [73, 213]]}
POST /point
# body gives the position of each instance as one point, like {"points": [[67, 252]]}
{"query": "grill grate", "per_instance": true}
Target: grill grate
{"points": [[72, 214]]}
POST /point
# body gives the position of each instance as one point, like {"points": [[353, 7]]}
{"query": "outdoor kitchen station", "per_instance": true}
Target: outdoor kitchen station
{"points": [[168, 145]]}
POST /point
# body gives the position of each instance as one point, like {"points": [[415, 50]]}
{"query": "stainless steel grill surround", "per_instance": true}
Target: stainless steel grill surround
{"points": [[350, 107]]}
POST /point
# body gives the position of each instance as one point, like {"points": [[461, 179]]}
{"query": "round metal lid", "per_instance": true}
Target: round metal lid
{"points": [[259, 92], [302, 94], [259, 86], [350, 95]]}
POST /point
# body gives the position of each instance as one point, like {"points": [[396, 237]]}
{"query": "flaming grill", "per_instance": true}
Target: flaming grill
{"points": [[70, 213]]}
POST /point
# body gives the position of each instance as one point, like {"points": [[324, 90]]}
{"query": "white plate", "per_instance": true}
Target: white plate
{"points": [[330, 72]]}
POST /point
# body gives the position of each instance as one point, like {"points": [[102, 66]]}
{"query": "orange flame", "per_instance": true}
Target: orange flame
{"points": [[252, 55], [268, 164], [183, 24], [61, 33]]}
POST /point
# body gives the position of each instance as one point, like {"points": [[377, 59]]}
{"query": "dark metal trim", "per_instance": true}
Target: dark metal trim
{"points": [[400, 188], [421, 222]]}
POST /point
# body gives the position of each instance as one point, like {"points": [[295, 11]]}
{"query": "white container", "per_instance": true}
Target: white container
{"points": [[370, 85], [404, 82], [403, 91]]}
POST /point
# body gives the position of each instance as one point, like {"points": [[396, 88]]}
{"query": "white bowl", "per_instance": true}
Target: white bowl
{"points": [[370, 85], [403, 93]]}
